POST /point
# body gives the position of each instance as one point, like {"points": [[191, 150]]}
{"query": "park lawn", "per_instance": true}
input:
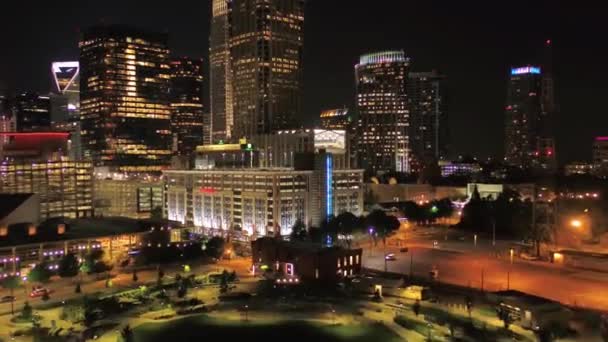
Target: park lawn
{"points": [[201, 326]]}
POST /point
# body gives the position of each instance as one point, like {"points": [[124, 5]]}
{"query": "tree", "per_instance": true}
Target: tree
{"points": [[383, 224], [40, 273], [298, 231], [505, 316], [215, 247], [68, 266], [93, 262], [26, 312], [416, 307], [159, 277], [127, 334], [12, 283], [468, 301], [77, 289], [224, 282], [604, 328]]}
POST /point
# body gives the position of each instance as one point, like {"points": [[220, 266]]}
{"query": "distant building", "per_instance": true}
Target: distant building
{"points": [[266, 56], [127, 196], [256, 201], [580, 168], [427, 104], [600, 151], [65, 103], [459, 168], [32, 112], [383, 130], [306, 262], [126, 117], [336, 119], [186, 95], [528, 144], [37, 163], [280, 149]]}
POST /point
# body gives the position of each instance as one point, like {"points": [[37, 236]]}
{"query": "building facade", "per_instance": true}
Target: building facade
{"points": [[426, 92], [266, 53], [65, 187], [132, 197], [220, 69], [125, 112], [383, 127], [340, 119], [186, 95], [32, 112], [527, 143], [256, 201]]}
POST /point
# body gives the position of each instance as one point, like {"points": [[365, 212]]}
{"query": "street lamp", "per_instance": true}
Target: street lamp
{"points": [[576, 223]]}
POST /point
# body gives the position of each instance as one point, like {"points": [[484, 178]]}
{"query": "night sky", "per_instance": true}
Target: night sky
{"points": [[473, 42]]}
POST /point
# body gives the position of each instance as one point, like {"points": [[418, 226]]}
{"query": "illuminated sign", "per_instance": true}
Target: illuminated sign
{"points": [[208, 191], [525, 70], [329, 168], [333, 141], [64, 74]]}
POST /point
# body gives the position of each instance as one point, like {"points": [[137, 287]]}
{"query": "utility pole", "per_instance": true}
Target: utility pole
{"points": [[508, 280], [482, 280], [411, 265], [494, 232]]}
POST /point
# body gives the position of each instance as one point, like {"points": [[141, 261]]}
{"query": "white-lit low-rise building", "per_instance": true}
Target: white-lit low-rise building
{"points": [[260, 201]]}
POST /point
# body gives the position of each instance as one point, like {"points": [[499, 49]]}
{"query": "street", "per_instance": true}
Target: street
{"points": [[568, 286]]}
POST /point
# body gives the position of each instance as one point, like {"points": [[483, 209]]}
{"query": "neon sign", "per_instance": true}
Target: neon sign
{"points": [[525, 70]]}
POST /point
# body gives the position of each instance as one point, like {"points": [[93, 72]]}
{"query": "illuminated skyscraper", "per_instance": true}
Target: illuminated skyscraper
{"points": [[222, 113], [523, 117], [65, 103], [125, 112], [427, 106], [336, 119], [550, 108], [266, 50], [187, 104], [383, 128]]}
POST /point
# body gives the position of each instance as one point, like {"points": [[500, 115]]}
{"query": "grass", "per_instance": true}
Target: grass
{"points": [[193, 328]]}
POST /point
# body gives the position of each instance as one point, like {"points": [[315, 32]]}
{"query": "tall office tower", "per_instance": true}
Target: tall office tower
{"points": [[32, 112], [65, 103], [266, 48], [222, 111], [336, 119], [383, 132], [523, 117], [186, 94], [426, 93], [124, 93], [546, 142]]}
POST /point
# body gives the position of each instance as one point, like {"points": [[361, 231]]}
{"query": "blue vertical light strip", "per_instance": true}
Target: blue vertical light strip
{"points": [[330, 186]]}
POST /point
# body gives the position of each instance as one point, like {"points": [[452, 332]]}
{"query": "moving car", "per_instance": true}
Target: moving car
{"points": [[390, 257], [39, 291]]}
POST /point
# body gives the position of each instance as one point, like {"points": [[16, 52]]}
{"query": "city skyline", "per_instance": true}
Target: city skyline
{"points": [[328, 78]]}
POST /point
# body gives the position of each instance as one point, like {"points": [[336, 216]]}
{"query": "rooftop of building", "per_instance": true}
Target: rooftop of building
{"points": [[527, 300], [299, 246], [10, 202], [383, 57], [120, 31], [84, 228]]}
